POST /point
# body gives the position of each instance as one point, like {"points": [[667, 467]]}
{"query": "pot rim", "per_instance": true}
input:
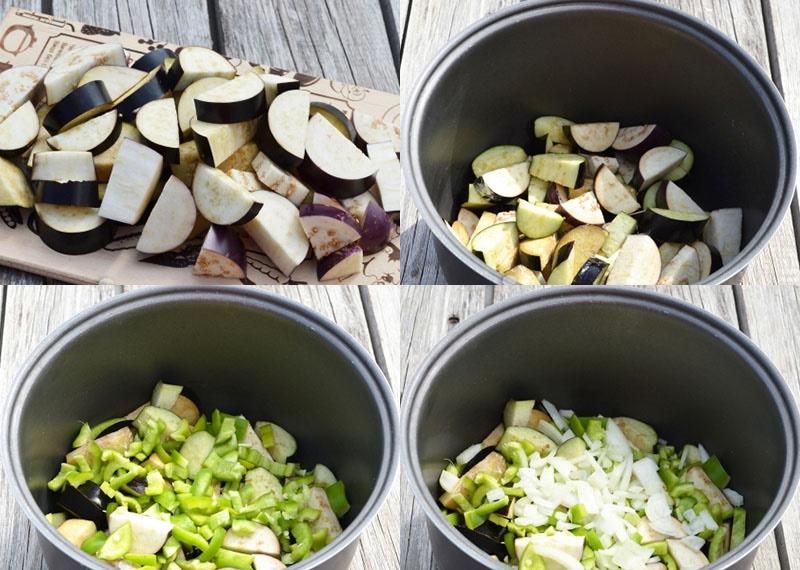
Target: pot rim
{"points": [[425, 376], [330, 332], [709, 36]]}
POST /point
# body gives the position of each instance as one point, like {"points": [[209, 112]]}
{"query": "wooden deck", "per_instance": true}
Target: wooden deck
{"points": [[429, 312], [765, 28], [370, 315], [354, 41]]}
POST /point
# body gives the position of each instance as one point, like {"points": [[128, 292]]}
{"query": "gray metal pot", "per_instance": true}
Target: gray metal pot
{"points": [[617, 352], [241, 350], [627, 60]]}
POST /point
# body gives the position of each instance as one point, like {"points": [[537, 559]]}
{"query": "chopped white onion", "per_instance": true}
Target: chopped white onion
{"points": [[448, 481], [646, 471], [559, 557], [495, 495], [684, 455], [694, 542], [616, 442], [468, 454], [736, 499], [704, 456], [551, 431], [553, 412], [708, 521], [567, 413]]}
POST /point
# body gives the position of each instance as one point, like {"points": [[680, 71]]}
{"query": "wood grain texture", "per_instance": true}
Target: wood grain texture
{"points": [[432, 23], [429, 312], [30, 313], [340, 39]]}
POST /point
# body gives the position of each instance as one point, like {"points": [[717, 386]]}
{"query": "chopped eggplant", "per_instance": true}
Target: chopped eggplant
{"points": [[220, 200], [680, 171], [553, 127], [72, 230], [19, 131], [540, 250], [666, 225], [18, 85], [151, 87], [278, 232], [638, 262], [194, 63], [594, 137], [376, 228], [332, 163], [337, 118], [657, 163], [498, 157], [186, 107], [155, 58], [222, 254], [86, 502], [635, 141], [284, 136], [149, 533], [536, 222], [132, 183], [724, 232], [595, 162], [592, 271], [587, 241], [343, 263], [508, 182], [171, 221], [370, 130], [86, 102], [498, 245], [157, 122], [278, 180], [245, 179], [618, 230], [668, 250], [216, 143], [612, 194], [584, 209], [117, 80], [388, 178], [563, 169], [240, 99], [670, 196], [682, 269], [68, 69], [525, 276], [95, 135], [328, 229], [275, 85], [708, 257], [468, 219], [104, 162]]}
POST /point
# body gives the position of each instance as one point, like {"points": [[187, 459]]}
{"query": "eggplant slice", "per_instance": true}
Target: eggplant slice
{"points": [[275, 85], [95, 135], [284, 137], [216, 143], [72, 230], [336, 117], [116, 79], [19, 85], [152, 86], [237, 100], [132, 184], [87, 101], [186, 108], [157, 122], [153, 59], [19, 131], [67, 69], [195, 62]]}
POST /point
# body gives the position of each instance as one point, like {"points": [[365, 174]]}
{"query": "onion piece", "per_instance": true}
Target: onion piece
{"points": [[704, 455], [646, 471], [550, 431], [553, 412], [694, 542], [736, 499], [448, 481], [468, 454]]}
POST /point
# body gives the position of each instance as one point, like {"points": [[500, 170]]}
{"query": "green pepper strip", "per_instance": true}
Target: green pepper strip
{"points": [[214, 545], [190, 538], [515, 454], [476, 517], [670, 562], [738, 530], [84, 436], [94, 543], [716, 472], [660, 547], [304, 540], [719, 543], [337, 497], [231, 559]]}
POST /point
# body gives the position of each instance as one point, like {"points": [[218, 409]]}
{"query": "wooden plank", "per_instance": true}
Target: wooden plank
{"points": [[426, 318], [432, 23], [30, 314], [185, 22], [772, 316], [344, 40]]}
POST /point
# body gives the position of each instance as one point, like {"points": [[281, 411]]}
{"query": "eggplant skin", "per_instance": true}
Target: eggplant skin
{"points": [[267, 144], [155, 88], [85, 98], [75, 244], [329, 185], [664, 229], [153, 59], [73, 193], [238, 112]]}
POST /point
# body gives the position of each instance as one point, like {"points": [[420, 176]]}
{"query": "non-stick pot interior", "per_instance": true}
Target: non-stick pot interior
{"points": [[593, 62], [238, 358], [610, 359]]}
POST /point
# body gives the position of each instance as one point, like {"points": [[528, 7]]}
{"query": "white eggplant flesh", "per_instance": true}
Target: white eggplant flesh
{"points": [[724, 232], [64, 166], [638, 262], [68, 69], [262, 562], [389, 177], [682, 269], [104, 162], [371, 130], [219, 199], [149, 533], [277, 231], [95, 135], [132, 183], [284, 138], [118, 80], [186, 108], [157, 122], [275, 85], [19, 131], [19, 85], [327, 519], [594, 137], [194, 63], [260, 541], [686, 557], [656, 163], [242, 98], [14, 187], [217, 142], [278, 180], [172, 220], [612, 194]]}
